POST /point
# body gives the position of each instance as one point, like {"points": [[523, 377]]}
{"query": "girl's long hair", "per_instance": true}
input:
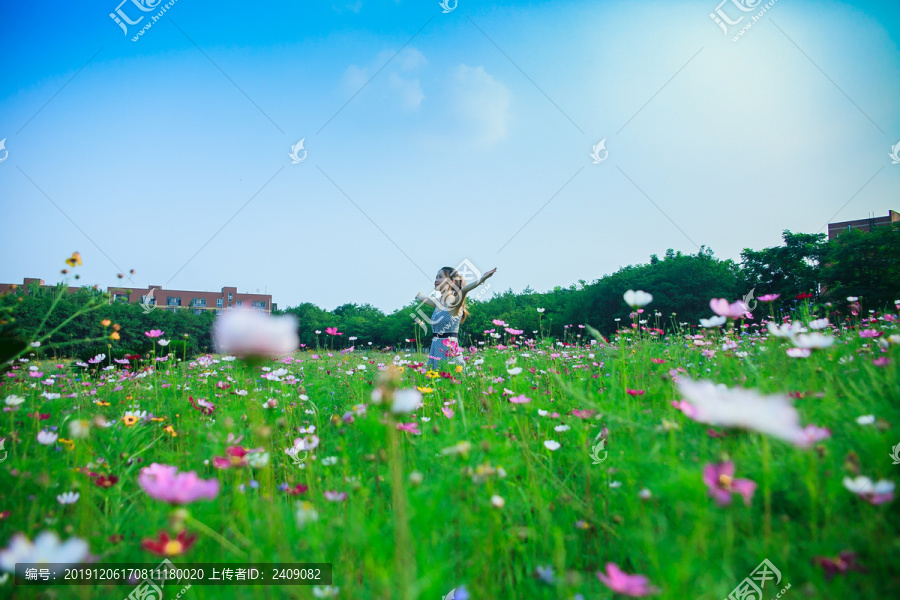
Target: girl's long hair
{"points": [[458, 283]]}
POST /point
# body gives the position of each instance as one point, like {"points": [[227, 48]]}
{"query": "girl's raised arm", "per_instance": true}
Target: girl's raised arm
{"points": [[426, 299], [475, 284]]}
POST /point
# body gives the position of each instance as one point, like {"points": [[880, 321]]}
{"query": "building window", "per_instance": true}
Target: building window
{"points": [[121, 298], [229, 296], [259, 304], [173, 301], [219, 302], [198, 311], [198, 302], [148, 300], [240, 302]]}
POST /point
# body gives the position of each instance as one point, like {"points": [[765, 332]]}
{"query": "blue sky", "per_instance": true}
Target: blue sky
{"points": [[170, 155]]}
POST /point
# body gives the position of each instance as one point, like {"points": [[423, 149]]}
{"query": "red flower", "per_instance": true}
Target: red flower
{"points": [[40, 416], [236, 458], [297, 489], [203, 406], [105, 481], [166, 546], [634, 392], [843, 562], [804, 296]]}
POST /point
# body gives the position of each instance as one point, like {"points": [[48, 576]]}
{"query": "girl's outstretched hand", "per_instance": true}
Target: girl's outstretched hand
{"points": [[487, 275]]}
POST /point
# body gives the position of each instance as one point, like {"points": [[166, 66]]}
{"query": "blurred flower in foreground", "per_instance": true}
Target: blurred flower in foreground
{"points": [[252, 333], [637, 299], [74, 260], [46, 548], [843, 562], [872, 492], [165, 483], [622, 583], [746, 409]]}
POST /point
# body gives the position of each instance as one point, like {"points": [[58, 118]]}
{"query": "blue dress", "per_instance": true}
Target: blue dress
{"points": [[442, 322]]}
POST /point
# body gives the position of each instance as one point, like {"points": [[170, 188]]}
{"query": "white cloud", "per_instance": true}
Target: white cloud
{"points": [[482, 101], [410, 90]]}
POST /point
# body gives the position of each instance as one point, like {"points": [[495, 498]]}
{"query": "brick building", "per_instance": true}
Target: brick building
{"points": [[173, 300], [835, 229], [155, 295]]}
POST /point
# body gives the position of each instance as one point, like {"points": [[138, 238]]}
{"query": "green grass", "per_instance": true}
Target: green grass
{"points": [[420, 541]]}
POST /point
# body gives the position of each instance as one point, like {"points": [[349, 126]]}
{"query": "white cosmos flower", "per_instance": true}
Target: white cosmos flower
{"points": [[46, 548], [864, 485], [745, 409], [163, 342], [14, 400], [788, 330], [307, 443], [818, 324], [247, 332], [258, 460], [644, 494], [540, 310], [68, 498], [866, 419], [46, 437], [406, 401], [560, 428], [637, 299], [716, 321], [551, 445], [514, 370], [813, 340], [498, 501], [798, 352]]}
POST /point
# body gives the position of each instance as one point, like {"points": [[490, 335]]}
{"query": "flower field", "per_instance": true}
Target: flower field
{"points": [[668, 465]]}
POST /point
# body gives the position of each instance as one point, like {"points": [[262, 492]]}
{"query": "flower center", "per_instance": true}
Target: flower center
{"points": [[173, 548], [725, 480]]}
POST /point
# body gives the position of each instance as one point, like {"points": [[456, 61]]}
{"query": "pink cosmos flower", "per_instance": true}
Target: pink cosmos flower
{"points": [[736, 310], [335, 496], [620, 582], [812, 434], [686, 407], [870, 333], [512, 331], [409, 427], [333, 331], [719, 478], [873, 492], [165, 483], [236, 457], [154, 333], [583, 414], [448, 412], [499, 323], [769, 297], [521, 399], [634, 392], [881, 361], [657, 361]]}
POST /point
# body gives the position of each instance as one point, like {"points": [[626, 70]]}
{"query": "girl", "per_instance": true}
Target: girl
{"points": [[449, 302]]}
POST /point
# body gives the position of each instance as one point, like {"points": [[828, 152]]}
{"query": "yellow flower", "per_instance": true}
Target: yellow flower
{"points": [[431, 374], [170, 429], [158, 419], [459, 368], [69, 444], [101, 403], [425, 390], [130, 420], [114, 335], [75, 259], [105, 322]]}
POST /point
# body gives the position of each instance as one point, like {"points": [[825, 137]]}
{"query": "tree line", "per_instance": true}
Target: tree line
{"points": [[855, 264]]}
